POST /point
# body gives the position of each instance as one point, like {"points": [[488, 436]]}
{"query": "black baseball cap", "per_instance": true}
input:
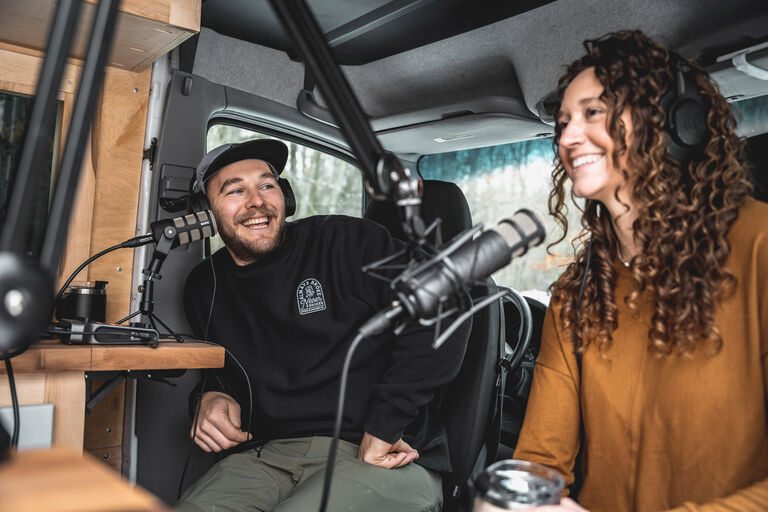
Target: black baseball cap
{"points": [[272, 151]]}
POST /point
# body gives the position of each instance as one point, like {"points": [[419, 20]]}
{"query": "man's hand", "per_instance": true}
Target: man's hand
{"points": [[380, 453], [566, 505], [218, 423]]}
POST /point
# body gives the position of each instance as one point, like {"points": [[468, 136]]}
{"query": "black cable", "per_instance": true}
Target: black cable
{"points": [[200, 398], [337, 425], [15, 402], [242, 369], [136, 241], [213, 299]]}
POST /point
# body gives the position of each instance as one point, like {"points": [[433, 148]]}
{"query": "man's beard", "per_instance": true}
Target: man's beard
{"points": [[249, 250]]}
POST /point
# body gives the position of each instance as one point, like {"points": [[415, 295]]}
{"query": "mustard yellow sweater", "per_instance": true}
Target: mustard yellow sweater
{"points": [[683, 431]]}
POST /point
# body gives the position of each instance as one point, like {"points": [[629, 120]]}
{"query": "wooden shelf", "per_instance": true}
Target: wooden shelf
{"points": [[146, 29], [51, 372], [62, 480], [54, 356]]}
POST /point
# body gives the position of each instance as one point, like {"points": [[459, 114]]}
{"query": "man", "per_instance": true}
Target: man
{"points": [[286, 299]]}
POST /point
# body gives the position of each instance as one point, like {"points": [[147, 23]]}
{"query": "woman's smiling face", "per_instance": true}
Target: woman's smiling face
{"points": [[585, 146]]}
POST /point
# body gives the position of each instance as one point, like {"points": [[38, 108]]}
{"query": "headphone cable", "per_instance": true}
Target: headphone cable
{"points": [[136, 241]]}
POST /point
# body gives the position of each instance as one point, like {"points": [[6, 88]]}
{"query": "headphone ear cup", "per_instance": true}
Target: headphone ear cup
{"points": [[197, 201], [686, 115], [290, 199]]}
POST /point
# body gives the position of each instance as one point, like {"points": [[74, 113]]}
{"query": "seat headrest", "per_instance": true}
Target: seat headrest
{"points": [[439, 199], [757, 155]]}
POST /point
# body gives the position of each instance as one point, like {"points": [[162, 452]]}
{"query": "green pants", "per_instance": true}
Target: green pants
{"points": [[287, 476]]}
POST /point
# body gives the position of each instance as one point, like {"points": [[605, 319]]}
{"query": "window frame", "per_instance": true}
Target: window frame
{"points": [[220, 119]]}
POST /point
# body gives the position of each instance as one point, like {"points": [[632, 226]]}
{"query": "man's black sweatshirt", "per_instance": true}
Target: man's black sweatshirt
{"points": [[289, 319]]}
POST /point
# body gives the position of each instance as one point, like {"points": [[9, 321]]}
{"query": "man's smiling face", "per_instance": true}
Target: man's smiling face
{"points": [[249, 208]]}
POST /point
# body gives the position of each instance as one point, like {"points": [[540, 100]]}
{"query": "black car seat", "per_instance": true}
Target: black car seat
{"points": [[468, 402], [757, 155]]}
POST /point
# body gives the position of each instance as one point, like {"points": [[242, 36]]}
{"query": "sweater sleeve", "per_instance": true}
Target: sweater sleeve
{"points": [[751, 499], [550, 433], [416, 371]]}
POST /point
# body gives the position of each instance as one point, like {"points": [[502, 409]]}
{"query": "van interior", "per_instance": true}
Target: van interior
{"points": [[459, 91]]}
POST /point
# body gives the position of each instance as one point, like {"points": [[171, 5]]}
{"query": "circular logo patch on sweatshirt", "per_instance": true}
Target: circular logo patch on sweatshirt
{"points": [[309, 296]]}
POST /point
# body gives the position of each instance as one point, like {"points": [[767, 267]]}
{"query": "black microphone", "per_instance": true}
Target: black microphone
{"points": [[422, 290], [184, 229], [171, 233]]}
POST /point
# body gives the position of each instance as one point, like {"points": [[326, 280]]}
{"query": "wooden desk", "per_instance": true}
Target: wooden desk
{"points": [[63, 480], [52, 372]]}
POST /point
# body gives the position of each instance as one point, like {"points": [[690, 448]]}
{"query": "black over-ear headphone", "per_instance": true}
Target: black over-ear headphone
{"points": [[198, 201], [686, 124]]}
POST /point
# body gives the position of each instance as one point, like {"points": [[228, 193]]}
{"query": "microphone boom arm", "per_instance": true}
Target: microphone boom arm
{"points": [[386, 178]]}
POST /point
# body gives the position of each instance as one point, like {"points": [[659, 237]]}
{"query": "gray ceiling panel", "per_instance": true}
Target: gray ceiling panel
{"points": [[471, 131], [249, 67], [517, 60], [543, 41]]}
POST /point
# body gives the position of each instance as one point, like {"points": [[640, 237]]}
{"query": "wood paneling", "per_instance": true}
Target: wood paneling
{"points": [[18, 73], [66, 391], [117, 155], [159, 10], [104, 426], [146, 29], [111, 456], [30, 388], [105, 209], [18, 70], [78, 243], [185, 13], [61, 480]]}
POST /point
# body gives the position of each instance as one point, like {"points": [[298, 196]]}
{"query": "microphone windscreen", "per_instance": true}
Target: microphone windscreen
{"points": [[195, 226], [521, 232]]}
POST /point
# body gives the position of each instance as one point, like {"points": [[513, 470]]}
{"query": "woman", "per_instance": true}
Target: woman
{"points": [[652, 357]]}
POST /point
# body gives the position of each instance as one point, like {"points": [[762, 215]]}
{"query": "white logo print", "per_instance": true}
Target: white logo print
{"points": [[309, 296]]}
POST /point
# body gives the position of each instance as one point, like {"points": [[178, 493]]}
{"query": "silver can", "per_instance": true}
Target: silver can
{"points": [[516, 485]]}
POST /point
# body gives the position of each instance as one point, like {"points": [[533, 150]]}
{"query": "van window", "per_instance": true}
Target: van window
{"points": [[15, 111], [322, 183], [752, 115], [498, 181]]}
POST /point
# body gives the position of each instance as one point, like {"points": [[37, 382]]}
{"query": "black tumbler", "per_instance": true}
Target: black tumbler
{"points": [[84, 301]]}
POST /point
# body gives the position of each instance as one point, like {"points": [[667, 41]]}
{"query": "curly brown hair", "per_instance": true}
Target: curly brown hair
{"points": [[685, 210]]}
